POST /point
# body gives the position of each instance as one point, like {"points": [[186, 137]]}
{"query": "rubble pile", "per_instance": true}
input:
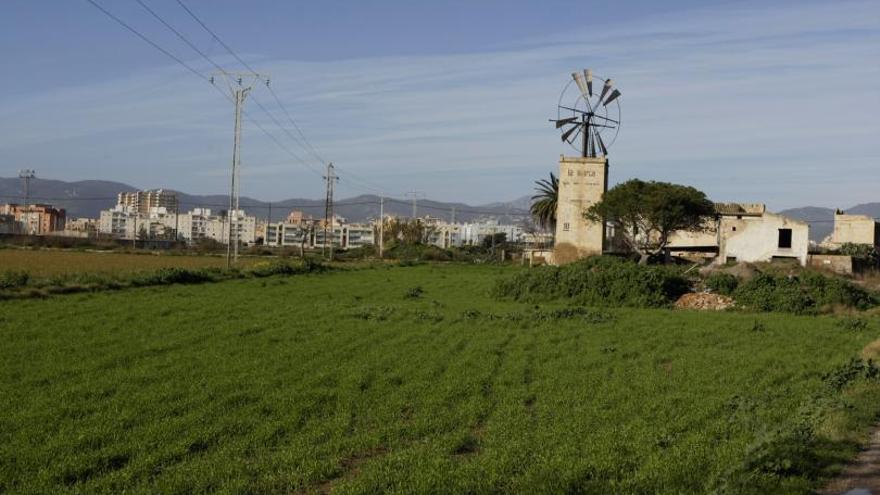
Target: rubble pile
{"points": [[704, 301]]}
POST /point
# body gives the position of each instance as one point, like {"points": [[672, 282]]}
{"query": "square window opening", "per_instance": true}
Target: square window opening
{"points": [[785, 238]]}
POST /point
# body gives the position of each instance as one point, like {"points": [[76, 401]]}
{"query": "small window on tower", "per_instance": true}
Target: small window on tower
{"points": [[565, 226], [571, 172]]}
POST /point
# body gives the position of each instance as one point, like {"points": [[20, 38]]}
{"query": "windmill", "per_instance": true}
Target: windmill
{"points": [[589, 120]]}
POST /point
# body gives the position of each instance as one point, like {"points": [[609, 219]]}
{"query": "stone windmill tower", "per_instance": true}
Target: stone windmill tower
{"points": [[589, 121]]}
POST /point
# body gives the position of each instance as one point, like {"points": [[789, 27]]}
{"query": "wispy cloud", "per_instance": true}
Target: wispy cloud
{"points": [[752, 103]]}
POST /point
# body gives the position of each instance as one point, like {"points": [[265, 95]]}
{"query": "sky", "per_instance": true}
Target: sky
{"points": [[773, 102]]}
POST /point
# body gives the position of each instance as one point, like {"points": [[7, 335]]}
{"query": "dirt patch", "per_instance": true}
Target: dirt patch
{"points": [[350, 468], [872, 350], [862, 476], [704, 301]]}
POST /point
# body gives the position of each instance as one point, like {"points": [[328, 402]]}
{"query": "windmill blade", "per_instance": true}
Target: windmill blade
{"points": [[562, 122], [601, 144], [613, 96], [578, 79], [588, 75], [568, 133], [606, 89], [578, 133]]}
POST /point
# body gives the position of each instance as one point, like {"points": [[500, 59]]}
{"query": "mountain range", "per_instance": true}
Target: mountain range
{"points": [[87, 198]]}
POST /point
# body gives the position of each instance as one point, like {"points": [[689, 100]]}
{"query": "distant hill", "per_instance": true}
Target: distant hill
{"points": [[81, 199], [88, 198]]}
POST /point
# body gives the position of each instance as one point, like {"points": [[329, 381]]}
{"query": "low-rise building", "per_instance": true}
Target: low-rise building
{"points": [[36, 219], [745, 232]]}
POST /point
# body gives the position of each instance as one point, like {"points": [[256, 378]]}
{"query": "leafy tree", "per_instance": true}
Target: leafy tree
{"points": [[412, 231], [498, 239], [647, 213], [543, 207]]}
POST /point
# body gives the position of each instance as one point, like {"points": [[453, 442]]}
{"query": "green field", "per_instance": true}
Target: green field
{"points": [[414, 380]]}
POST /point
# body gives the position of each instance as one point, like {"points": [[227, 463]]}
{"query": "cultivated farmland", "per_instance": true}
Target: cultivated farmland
{"points": [[48, 262], [414, 379]]}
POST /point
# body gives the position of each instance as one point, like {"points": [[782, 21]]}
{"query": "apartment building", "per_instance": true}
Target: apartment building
{"points": [[143, 201]]}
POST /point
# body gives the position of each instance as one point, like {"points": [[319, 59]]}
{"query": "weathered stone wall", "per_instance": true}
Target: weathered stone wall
{"points": [[855, 229], [835, 262], [756, 238]]}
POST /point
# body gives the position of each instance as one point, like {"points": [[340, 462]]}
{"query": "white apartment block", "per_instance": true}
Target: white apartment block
{"points": [[311, 235], [127, 222]]}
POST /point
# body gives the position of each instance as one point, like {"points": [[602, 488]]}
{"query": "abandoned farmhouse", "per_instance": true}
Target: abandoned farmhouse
{"points": [[744, 232]]}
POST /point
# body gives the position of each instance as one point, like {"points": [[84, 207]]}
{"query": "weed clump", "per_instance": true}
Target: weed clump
{"points": [[376, 313], [598, 281], [852, 324], [414, 292]]}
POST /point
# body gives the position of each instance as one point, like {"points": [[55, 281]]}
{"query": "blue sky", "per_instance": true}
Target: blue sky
{"points": [[749, 101]]}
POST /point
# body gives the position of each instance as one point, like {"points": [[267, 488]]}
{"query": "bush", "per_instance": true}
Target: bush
{"points": [[598, 280], [807, 293], [721, 283]]}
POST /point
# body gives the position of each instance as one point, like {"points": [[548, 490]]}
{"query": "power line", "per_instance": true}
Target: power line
{"points": [[221, 69], [193, 70], [307, 145], [304, 141]]}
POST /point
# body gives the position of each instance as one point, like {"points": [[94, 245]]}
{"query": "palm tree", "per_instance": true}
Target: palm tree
{"points": [[543, 207]]}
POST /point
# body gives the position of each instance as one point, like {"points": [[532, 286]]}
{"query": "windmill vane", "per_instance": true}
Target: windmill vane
{"points": [[589, 121]]}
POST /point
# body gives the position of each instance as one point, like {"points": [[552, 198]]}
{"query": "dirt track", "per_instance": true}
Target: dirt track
{"points": [[862, 477]]}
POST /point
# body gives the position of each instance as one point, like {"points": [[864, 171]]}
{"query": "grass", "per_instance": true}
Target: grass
{"points": [[49, 262], [413, 379]]}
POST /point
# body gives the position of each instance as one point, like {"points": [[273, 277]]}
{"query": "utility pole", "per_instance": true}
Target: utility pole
{"points": [[26, 175], [381, 226], [415, 208], [331, 178], [238, 90]]}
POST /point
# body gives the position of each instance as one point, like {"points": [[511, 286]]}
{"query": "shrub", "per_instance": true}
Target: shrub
{"points": [[598, 280], [167, 276], [722, 283], [807, 293], [13, 279]]}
